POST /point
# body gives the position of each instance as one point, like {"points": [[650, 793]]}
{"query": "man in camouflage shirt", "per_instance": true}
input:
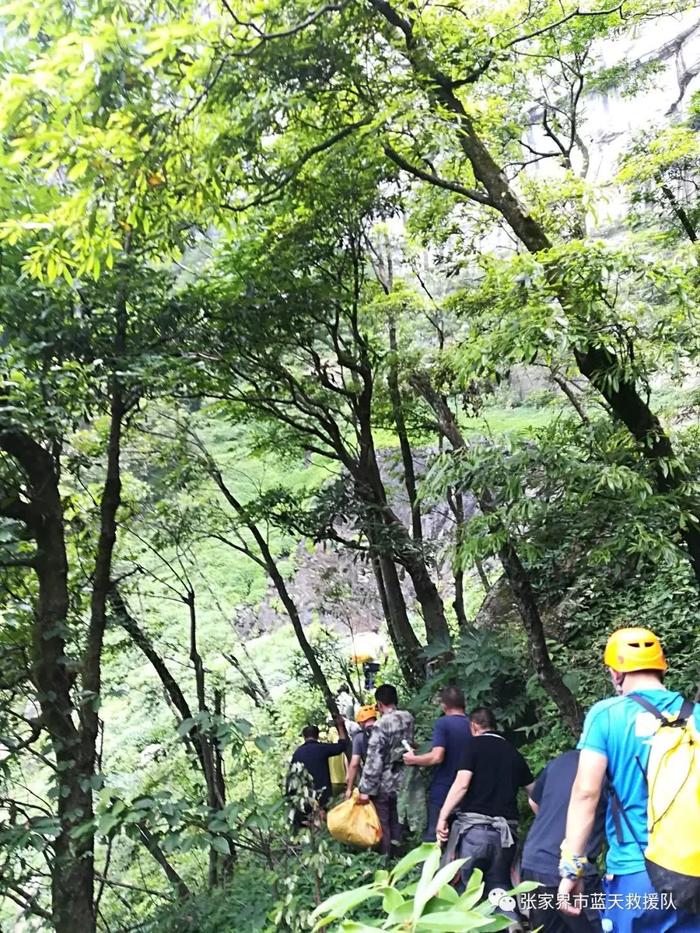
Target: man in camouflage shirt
{"points": [[383, 768]]}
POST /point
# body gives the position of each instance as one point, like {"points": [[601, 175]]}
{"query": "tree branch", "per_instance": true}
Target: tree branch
{"points": [[268, 196], [284, 33], [565, 19], [471, 194]]}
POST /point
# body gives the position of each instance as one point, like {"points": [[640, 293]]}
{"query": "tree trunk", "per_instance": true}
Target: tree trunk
{"points": [[523, 592], [456, 504], [571, 395], [173, 692], [409, 472], [392, 536], [197, 740], [224, 863], [72, 869], [679, 211], [403, 638], [548, 675], [151, 843], [370, 490], [483, 577], [270, 564]]}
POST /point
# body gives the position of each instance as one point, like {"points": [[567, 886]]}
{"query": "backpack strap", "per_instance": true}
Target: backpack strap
{"points": [[647, 705], [617, 811], [684, 714]]}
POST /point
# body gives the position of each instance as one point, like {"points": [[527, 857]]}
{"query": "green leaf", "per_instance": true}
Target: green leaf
{"points": [[525, 887], [106, 824], [413, 858], [475, 889], [243, 726], [219, 844], [430, 886], [340, 904], [78, 170], [392, 900], [185, 726], [401, 915], [264, 742], [352, 926], [452, 920]]}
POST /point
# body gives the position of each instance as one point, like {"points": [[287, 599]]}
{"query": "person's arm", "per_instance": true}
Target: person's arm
{"points": [[585, 793], [435, 756], [455, 794], [535, 791], [340, 726], [353, 768]]}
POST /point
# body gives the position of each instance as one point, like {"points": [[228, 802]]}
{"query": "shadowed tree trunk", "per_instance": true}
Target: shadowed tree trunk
{"points": [[521, 587], [265, 559], [403, 638], [199, 742]]}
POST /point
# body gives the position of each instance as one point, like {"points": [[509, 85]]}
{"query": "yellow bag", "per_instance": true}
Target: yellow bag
{"points": [[673, 775], [354, 823], [338, 772]]}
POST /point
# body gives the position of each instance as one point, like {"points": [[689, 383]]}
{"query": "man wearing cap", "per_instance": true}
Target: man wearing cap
{"points": [[365, 717], [616, 741]]}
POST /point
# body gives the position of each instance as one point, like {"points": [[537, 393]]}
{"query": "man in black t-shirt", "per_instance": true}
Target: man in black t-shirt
{"points": [[313, 756], [485, 789], [540, 862]]}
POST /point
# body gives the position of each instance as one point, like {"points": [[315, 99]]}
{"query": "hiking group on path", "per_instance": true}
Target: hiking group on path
{"points": [[633, 781]]}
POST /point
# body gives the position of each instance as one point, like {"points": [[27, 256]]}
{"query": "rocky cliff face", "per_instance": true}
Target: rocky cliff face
{"points": [[610, 119], [335, 586]]}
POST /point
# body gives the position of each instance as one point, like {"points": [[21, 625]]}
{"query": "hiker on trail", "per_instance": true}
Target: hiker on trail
{"points": [[484, 830], [366, 718], [549, 800], [451, 735], [620, 738], [345, 702], [314, 756], [383, 767]]}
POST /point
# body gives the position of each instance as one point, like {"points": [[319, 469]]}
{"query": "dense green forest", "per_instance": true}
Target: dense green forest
{"points": [[321, 319]]}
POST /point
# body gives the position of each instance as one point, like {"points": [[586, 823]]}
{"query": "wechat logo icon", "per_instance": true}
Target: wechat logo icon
{"points": [[500, 898]]}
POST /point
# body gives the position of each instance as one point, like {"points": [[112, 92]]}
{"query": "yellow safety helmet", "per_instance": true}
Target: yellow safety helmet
{"points": [[365, 713], [634, 649]]}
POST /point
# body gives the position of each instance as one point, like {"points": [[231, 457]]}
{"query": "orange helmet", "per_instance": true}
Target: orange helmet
{"points": [[634, 649], [365, 713]]}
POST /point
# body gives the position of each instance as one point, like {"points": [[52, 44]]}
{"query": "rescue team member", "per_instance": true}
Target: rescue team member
{"points": [[451, 735], [486, 788], [381, 773], [313, 756], [549, 801], [615, 740], [366, 717]]}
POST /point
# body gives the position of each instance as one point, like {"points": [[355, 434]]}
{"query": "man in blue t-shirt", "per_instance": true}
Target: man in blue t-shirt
{"points": [[549, 800], [451, 735], [616, 741]]}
